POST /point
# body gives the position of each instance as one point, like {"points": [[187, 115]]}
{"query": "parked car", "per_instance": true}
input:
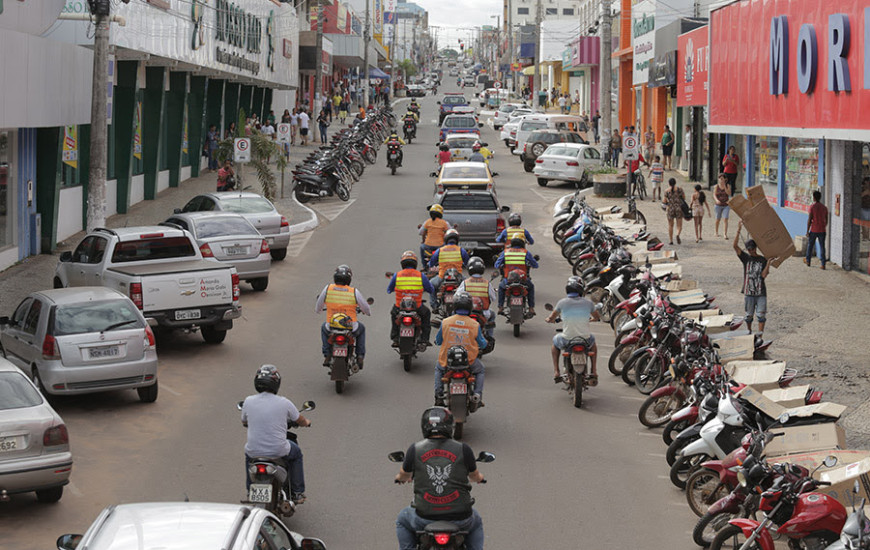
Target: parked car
{"points": [[162, 270], [187, 526], [459, 124], [503, 114], [478, 215], [554, 122], [539, 140], [256, 208], [82, 340], [232, 239], [416, 90], [34, 442], [447, 103], [567, 162], [509, 130]]}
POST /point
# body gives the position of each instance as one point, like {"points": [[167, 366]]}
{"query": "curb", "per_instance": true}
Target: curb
{"points": [[308, 225]]}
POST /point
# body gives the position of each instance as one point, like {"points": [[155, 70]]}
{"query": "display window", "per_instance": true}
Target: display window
{"points": [[862, 222], [801, 173], [767, 167], [7, 178]]}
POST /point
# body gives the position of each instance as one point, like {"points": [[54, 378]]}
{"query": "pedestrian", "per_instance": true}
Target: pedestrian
{"points": [[342, 110], [615, 148], [231, 131], [722, 193], [577, 99], [817, 229], [304, 119], [211, 145], [352, 90], [730, 167], [268, 129], [271, 118], [336, 102], [285, 118], [226, 177], [595, 126], [674, 199], [755, 270], [294, 125], [687, 150], [323, 124], [563, 103], [699, 203], [625, 132], [327, 107], [649, 143], [668, 147], [656, 177]]}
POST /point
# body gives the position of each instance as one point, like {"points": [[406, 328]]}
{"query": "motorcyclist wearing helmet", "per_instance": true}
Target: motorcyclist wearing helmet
{"points": [[476, 155], [449, 255], [266, 415], [460, 330], [414, 107], [576, 312], [410, 282], [411, 114], [439, 466], [514, 230], [444, 154], [433, 231], [478, 287], [516, 258], [395, 139], [342, 298]]}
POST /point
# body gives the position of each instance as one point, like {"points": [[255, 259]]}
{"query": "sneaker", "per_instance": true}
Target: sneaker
{"points": [[823, 267], [327, 360], [359, 361], [440, 400], [806, 261], [298, 498], [394, 344]]}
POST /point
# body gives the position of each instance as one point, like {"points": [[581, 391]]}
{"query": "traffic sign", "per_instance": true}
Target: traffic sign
{"points": [[242, 150], [629, 148], [283, 133], [497, 85]]}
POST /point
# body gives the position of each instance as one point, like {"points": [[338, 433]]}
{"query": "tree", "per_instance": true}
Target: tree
{"points": [[263, 148], [408, 68]]}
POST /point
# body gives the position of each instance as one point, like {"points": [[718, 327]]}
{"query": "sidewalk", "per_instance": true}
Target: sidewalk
{"points": [[36, 272], [817, 319]]}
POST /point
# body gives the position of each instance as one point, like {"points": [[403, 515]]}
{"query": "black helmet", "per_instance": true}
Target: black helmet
{"points": [[517, 242], [451, 235], [267, 379], [342, 275], [443, 147], [476, 266], [514, 277], [409, 260], [457, 356], [462, 302], [437, 421], [574, 286], [515, 219]]}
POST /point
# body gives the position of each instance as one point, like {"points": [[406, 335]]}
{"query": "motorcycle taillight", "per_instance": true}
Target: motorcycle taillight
{"points": [[407, 320], [341, 339], [449, 288], [458, 374], [261, 469], [441, 539], [516, 291], [578, 349]]}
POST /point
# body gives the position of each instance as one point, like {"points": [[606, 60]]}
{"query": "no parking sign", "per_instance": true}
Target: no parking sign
{"points": [[283, 133], [629, 148], [242, 150]]}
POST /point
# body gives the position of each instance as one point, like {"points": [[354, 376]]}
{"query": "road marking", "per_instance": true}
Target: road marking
{"points": [[648, 434], [657, 455], [332, 210], [297, 243], [633, 397], [664, 477], [434, 121], [74, 490], [170, 390]]}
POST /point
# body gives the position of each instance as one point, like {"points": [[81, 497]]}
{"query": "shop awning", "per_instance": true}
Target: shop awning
{"points": [[529, 71], [374, 72]]}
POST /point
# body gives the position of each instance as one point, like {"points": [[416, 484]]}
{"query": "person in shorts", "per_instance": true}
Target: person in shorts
{"points": [[656, 177], [755, 270], [576, 312], [722, 194]]}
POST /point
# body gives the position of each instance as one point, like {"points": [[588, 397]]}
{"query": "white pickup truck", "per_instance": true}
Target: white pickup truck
{"points": [[162, 271]]}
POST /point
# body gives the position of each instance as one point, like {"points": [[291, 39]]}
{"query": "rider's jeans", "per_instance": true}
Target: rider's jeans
{"points": [[408, 523], [359, 335], [295, 470], [476, 369]]}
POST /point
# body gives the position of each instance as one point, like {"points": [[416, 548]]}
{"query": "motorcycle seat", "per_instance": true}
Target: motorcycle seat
{"points": [[278, 462], [441, 527], [577, 342]]}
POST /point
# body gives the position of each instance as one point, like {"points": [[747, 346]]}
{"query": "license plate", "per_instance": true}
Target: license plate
{"points": [[448, 299], [550, 173], [270, 240], [260, 492], [516, 301], [578, 360], [236, 250], [10, 444], [339, 352], [406, 332], [468, 244], [393, 156], [458, 388], [103, 352], [187, 314]]}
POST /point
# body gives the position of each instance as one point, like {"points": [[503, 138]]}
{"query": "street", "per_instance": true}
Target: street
{"points": [[564, 477]]}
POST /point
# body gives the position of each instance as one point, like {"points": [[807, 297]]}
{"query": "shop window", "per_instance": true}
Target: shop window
{"points": [[552, 11], [862, 222], [6, 185], [567, 11], [767, 166], [522, 11], [801, 172]]}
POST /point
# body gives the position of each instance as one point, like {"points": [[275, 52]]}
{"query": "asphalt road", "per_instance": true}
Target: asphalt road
{"points": [[564, 478]]}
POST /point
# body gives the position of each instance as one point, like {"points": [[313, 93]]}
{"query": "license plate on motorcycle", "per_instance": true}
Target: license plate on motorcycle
{"points": [[339, 352], [516, 301], [406, 332], [260, 492], [448, 299], [578, 360], [458, 388], [393, 156]]}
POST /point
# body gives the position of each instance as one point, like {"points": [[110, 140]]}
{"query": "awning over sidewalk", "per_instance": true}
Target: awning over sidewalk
{"points": [[374, 72]]}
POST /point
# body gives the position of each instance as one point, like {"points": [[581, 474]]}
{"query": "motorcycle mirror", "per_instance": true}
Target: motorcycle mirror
{"points": [[758, 419], [485, 144], [370, 301], [308, 406], [856, 488], [548, 307], [312, 544], [389, 274], [433, 174], [505, 208], [493, 276], [239, 405], [830, 461], [397, 456], [68, 542], [485, 457], [783, 418], [536, 257]]}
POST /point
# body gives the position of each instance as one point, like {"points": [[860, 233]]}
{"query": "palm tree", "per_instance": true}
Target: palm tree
{"points": [[263, 148]]}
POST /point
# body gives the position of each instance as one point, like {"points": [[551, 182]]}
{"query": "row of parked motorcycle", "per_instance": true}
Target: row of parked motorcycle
{"points": [[716, 437]]}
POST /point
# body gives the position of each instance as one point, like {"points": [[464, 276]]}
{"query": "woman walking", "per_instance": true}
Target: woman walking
{"points": [[615, 148], [668, 147], [323, 124], [722, 192], [294, 125], [699, 202], [730, 166], [674, 199]]}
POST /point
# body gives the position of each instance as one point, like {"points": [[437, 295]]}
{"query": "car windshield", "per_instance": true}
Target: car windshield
{"points": [[460, 143], [158, 248], [95, 317], [224, 225], [466, 172], [469, 201], [454, 100], [508, 108], [246, 205], [16, 392]]}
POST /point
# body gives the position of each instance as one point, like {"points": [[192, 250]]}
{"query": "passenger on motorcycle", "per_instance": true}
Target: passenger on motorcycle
{"points": [[439, 466], [449, 255], [410, 282], [576, 312], [394, 139], [444, 154], [413, 106], [514, 231], [478, 287], [463, 332], [433, 231], [340, 297], [516, 258], [266, 415]]}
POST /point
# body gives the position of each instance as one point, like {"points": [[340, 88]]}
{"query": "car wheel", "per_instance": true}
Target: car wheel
{"points": [[278, 254], [148, 394], [213, 336], [538, 149], [542, 182], [260, 284], [49, 496]]}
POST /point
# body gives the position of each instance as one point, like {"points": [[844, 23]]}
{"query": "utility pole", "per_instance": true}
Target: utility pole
{"points": [[604, 76], [537, 64], [510, 30], [318, 68], [364, 81], [99, 131], [393, 56]]}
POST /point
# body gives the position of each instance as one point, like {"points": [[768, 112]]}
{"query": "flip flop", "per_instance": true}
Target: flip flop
{"points": [[557, 379], [592, 379]]}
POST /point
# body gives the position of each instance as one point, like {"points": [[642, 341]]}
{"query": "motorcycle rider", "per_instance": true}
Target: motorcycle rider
{"points": [[576, 312], [266, 415], [412, 118], [449, 255], [514, 231], [476, 155], [341, 298], [394, 139], [460, 333], [516, 258], [412, 114], [433, 231], [444, 154], [453, 464], [478, 287], [410, 282], [415, 108]]}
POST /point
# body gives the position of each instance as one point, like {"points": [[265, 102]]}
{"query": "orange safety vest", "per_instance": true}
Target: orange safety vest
{"points": [[435, 230], [340, 299], [459, 330], [449, 255], [515, 233], [409, 282], [515, 260], [478, 287]]}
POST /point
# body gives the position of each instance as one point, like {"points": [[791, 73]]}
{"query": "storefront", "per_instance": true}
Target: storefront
{"points": [[691, 98], [580, 70], [801, 110]]}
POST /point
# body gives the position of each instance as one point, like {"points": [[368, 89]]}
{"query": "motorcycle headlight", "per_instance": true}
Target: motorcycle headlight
{"points": [[741, 478]]}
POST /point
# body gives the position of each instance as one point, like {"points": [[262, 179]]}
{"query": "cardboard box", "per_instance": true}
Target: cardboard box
{"points": [[758, 376], [717, 324], [653, 257], [763, 224], [773, 409], [814, 459], [687, 297], [800, 245], [843, 479], [661, 270], [677, 286], [801, 439], [794, 396], [701, 313], [736, 348]]}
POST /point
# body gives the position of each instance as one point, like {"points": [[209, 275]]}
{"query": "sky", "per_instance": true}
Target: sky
{"points": [[457, 18]]}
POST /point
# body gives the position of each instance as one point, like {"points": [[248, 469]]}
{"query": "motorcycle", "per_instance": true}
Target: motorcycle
{"points": [[449, 283], [410, 331], [856, 530], [393, 150], [441, 535], [410, 130], [343, 362], [517, 299], [268, 476], [458, 386], [575, 363]]}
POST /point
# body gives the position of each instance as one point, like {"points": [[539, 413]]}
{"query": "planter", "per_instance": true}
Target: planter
{"points": [[608, 185]]}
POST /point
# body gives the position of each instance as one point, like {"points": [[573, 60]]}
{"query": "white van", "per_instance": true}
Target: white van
{"points": [[541, 122]]}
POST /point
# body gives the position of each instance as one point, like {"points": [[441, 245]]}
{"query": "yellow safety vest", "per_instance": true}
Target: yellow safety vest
{"points": [[409, 282], [516, 233], [477, 287], [515, 260], [449, 255]]}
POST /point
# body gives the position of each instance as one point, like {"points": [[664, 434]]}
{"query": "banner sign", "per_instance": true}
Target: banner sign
{"points": [[694, 61], [643, 39], [70, 146]]}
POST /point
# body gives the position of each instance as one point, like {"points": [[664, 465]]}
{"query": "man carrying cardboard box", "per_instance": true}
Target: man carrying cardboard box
{"points": [[755, 270]]}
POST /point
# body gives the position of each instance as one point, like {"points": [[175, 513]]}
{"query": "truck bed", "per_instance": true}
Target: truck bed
{"points": [[167, 268]]}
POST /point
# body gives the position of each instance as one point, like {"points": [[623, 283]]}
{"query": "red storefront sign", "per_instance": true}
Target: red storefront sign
{"points": [[791, 64], [693, 58]]}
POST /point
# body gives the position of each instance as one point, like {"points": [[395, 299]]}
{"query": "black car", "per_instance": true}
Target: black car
{"points": [[539, 140], [415, 90]]}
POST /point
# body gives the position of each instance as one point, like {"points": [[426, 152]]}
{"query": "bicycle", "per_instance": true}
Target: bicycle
{"points": [[640, 184]]}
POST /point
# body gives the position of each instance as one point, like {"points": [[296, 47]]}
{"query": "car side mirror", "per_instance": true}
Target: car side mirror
{"points": [[494, 174], [68, 542], [480, 124], [176, 210], [66, 256], [4, 321], [485, 144], [505, 208], [438, 102], [312, 544], [485, 457], [397, 456]]}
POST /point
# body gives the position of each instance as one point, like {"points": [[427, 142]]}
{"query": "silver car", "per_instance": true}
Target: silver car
{"points": [[187, 526], [257, 209], [229, 238], [82, 340], [34, 443]]}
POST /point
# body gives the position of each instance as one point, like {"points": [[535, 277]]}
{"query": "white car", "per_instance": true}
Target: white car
{"points": [[567, 162], [509, 130], [503, 114]]}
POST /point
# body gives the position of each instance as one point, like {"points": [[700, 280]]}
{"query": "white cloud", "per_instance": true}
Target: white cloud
{"points": [[460, 18]]}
